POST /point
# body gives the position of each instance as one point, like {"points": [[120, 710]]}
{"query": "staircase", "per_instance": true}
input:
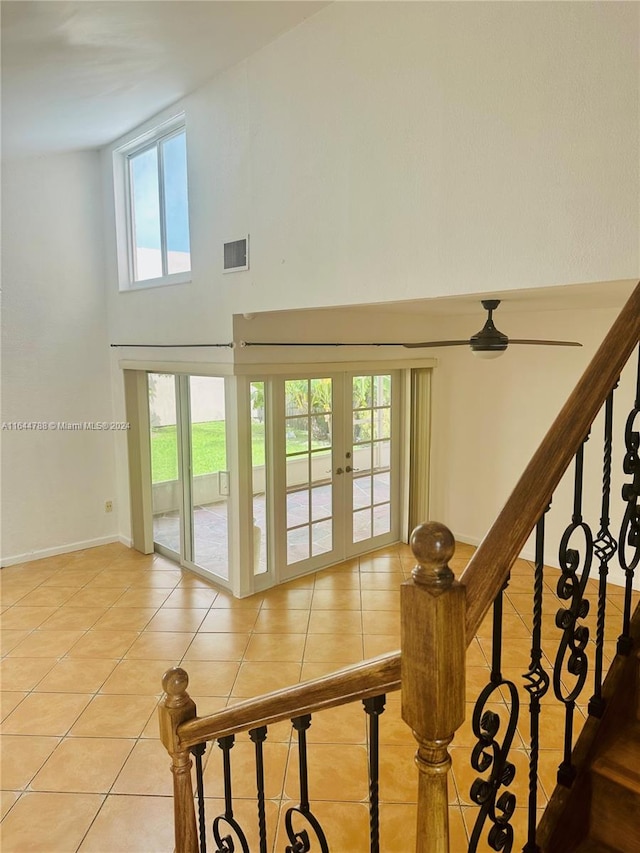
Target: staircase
{"points": [[615, 803], [600, 813], [596, 803], [614, 776]]}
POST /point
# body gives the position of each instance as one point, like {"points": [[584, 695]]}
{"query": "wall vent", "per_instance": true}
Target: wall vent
{"points": [[236, 255]]}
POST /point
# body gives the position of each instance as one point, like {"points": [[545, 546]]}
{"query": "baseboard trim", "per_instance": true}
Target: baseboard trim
{"points": [[61, 549], [615, 576], [525, 554]]}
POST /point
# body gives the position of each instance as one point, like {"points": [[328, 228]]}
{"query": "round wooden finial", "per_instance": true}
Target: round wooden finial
{"points": [[174, 683], [433, 546]]}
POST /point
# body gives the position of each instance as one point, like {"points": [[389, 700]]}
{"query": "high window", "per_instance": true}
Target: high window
{"points": [[154, 172]]}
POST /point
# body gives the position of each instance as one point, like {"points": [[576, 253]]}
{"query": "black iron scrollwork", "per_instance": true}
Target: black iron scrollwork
{"points": [[630, 529], [572, 656], [491, 754], [225, 843], [299, 840]]}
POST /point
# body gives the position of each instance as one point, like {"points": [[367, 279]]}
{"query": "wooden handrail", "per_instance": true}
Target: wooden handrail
{"points": [[361, 681], [490, 565]]}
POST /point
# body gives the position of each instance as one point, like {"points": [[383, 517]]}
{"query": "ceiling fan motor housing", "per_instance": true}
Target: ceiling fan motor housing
{"points": [[489, 339]]}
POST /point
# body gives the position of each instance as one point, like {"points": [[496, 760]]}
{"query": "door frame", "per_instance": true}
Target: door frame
{"points": [[342, 443], [238, 377], [184, 448]]}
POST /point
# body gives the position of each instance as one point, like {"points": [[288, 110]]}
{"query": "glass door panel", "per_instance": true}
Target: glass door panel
{"points": [[209, 475], [370, 468], [308, 426], [166, 489], [334, 479], [259, 477], [190, 479]]}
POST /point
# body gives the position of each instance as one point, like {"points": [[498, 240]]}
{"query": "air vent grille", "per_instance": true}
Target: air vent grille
{"points": [[236, 255]]}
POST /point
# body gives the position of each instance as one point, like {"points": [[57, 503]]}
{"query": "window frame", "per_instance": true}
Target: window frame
{"points": [[125, 205]]}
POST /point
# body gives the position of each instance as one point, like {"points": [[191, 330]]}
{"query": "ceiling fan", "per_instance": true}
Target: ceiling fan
{"points": [[489, 342]]}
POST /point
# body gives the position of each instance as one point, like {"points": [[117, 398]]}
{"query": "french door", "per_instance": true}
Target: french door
{"points": [[336, 469], [189, 472]]}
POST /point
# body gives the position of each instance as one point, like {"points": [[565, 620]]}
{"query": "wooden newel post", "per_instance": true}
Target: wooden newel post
{"points": [[176, 707], [433, 674]]}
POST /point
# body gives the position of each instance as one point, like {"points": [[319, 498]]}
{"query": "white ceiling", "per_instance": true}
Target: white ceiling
{"points": [[80, 74]]}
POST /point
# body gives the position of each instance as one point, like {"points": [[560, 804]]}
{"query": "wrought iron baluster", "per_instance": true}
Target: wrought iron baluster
{"points": [[573, 644], [604, 546], [300, 841], [496, 637], [197, 752], [374, 707], [225, 844], [489, 753], [536, 685], [630, 530], [258, 737]]}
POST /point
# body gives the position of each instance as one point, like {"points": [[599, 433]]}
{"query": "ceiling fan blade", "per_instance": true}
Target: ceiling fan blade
{"points": [[546, 343], [418, 345]]}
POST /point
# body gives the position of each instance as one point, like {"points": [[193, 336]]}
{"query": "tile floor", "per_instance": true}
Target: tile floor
{"points": [[87, 636]]}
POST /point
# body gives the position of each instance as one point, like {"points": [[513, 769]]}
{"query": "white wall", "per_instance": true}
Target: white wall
{"points": [[377, 152], [401, 150], [387, 151], [55, 363], [490, 416]]}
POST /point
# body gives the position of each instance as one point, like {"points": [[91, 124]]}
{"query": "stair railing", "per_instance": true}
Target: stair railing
{"points": [[489, 567], [487, 577], [184, 735], [439, 618], [431, 671]]}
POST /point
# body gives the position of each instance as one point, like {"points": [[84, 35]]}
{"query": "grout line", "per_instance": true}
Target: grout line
{"points": [[173, 585]]}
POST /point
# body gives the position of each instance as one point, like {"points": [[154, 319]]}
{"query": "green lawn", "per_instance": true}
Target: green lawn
{"points": [[208, 449]]}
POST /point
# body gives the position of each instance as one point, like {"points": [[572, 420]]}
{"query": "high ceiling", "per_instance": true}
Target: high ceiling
{"points": [[80, 74]]}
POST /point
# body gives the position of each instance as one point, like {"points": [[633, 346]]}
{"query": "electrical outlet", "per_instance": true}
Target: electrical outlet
{"points": [[108, 506]]}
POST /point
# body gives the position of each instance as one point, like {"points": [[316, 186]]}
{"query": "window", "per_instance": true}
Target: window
{"points": [[154, 171]]}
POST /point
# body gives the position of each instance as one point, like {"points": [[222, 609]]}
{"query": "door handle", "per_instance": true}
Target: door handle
{"points": [[339, 471], [349, 469]]}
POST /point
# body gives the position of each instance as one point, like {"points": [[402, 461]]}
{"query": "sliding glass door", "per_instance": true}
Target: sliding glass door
{"points": [[166, 479], [208, 521], [190, 477]]}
